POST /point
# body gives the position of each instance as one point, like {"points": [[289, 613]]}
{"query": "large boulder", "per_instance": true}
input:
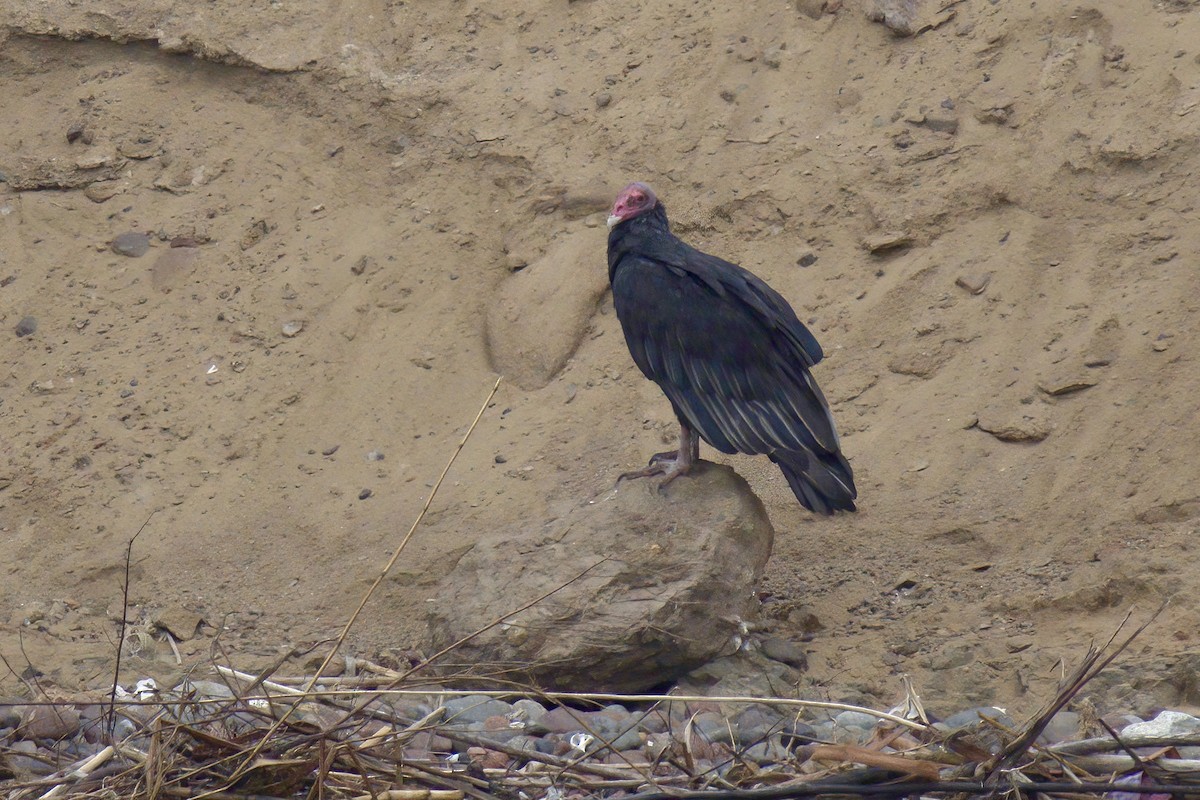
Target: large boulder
{"points": [[668, 582], [540, 314]]}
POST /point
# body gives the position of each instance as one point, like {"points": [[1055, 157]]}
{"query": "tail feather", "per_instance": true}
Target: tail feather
{"points": [[822, 483]]}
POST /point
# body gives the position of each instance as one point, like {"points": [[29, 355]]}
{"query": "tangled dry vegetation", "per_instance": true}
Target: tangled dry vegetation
{"points": [[342, 738]]}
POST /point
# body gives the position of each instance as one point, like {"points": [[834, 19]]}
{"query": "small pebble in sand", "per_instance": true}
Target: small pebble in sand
{"points": [[132, 244], [26, 326]]}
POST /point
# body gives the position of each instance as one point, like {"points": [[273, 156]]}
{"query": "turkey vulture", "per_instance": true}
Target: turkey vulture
{"points": [[729, 353]]}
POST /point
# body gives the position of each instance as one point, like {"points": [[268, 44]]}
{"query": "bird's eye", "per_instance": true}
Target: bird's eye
{"points": [[637, 197]]}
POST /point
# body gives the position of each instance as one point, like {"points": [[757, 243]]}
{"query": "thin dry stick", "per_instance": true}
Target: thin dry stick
{"points": [[253, 754], [82, 771], [112, 697]]}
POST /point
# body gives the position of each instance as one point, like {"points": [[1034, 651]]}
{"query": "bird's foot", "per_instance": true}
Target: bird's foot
{"points": [[669, 465], [670, 455]]}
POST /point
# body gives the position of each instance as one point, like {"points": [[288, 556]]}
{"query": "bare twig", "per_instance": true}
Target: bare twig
{"points": [[112, 697]]}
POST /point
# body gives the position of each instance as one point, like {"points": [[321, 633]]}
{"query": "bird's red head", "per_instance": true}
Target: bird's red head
{"points": [[636, 198]]}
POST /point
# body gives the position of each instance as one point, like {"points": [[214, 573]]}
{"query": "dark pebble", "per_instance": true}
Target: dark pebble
{"points": [[26, 326], [499, 459], [127, 393], [807, 260], [364, 494], [132, 244], [328, 451], [76, 132]]}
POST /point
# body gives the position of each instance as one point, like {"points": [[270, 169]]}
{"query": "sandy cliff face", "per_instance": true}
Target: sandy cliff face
{"points": [[990, 226]]}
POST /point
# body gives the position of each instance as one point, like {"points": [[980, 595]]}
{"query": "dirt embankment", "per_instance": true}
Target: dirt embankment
{"points": [[990, 226]]}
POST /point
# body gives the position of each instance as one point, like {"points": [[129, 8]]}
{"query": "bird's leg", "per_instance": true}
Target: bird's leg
{"points": [[685, 434], [671, 464]]}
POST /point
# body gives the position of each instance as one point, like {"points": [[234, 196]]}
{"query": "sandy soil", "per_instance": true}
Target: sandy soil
{"points": [[1026, 455]]}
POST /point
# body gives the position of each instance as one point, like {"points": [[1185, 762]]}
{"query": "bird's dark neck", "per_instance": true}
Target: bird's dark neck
{"points": [[649, 234]]}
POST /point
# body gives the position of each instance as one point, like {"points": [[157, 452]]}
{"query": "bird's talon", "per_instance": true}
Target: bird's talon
{"points": [[658, 458]]}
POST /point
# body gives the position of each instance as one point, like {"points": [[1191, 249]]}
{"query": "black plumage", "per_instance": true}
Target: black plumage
{"points": [[729, 353]]}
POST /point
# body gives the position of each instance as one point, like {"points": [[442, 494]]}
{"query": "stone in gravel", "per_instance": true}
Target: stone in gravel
{"points": [[626, 757], [1013, 426], [523, 742], [22, 763], [1062, 727], [942, 123], [292, 328], [805, 619], [10, 713], [496, 729], [785, 650], [856, 724], [772, 751], [1167, 723], [562, 720], [603, 99], [975, 284], [132, 244], [487, 759], [745, 674], [796, 733], [755, 723], [99, 191], [529, 713], [475, 708], [813, 9], [654, 722], [975, 716], [1066, 383], [1105, 344], [621, 732], [26, 326], [181, 622], [76, 132], [713, 727], [889, 240], [49, 722]]}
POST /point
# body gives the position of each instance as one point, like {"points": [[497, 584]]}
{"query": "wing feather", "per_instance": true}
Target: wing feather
{"points": [[728, 365]]}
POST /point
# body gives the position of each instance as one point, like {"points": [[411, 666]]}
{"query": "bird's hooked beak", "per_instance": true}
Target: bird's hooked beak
{"points": [[613, 219]]}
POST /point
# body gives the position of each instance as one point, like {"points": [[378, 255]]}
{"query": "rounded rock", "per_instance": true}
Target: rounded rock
{"points": [[49, 722], [132, 244], [475, 708]]}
